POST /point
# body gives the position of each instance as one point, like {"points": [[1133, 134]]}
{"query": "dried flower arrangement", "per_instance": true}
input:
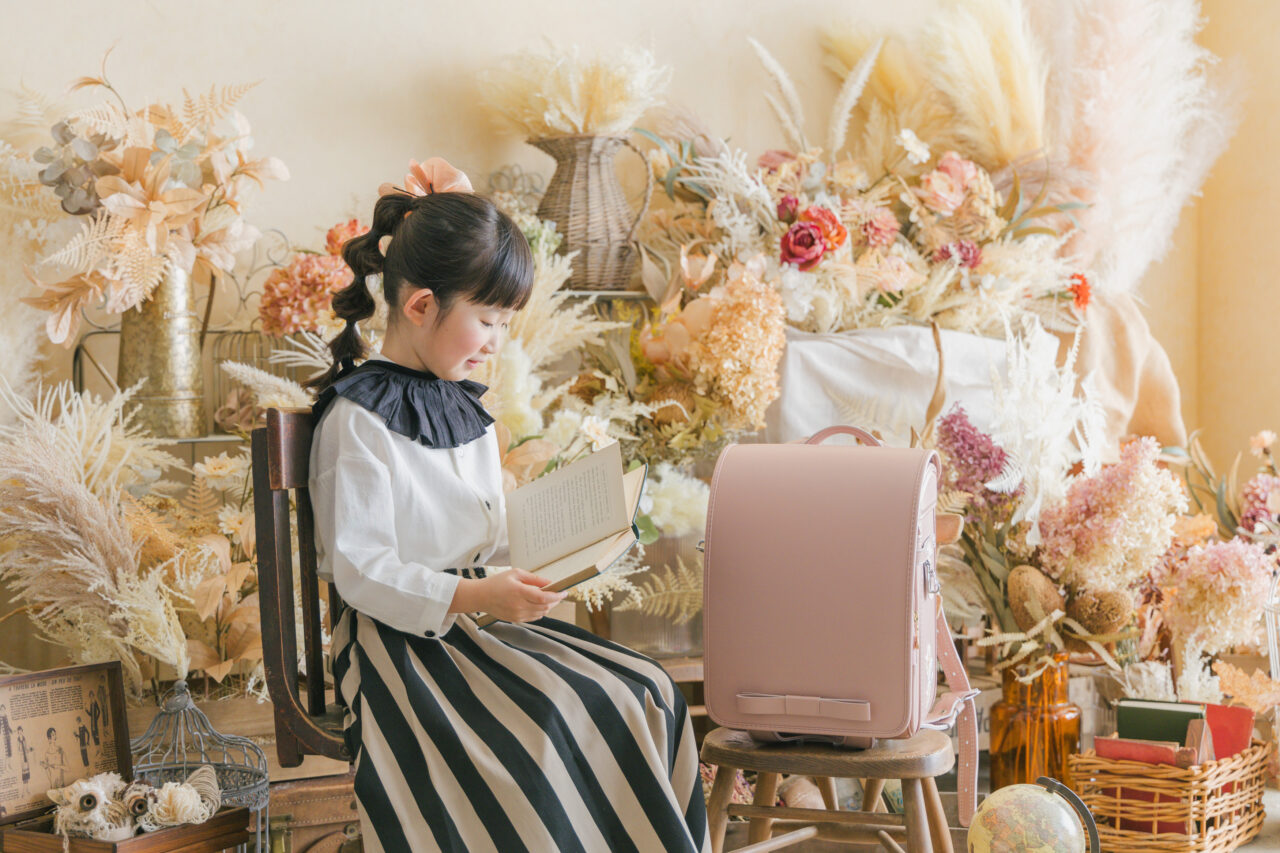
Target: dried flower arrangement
{"points": [[561, 93], [298, 297], [119, 196], [108, 563], [848, 246]]}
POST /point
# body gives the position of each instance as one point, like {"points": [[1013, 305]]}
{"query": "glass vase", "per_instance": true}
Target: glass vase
{"points": [[1034, 726]]}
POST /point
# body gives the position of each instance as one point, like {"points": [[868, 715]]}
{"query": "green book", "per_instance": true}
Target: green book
{"points": [[1149, 719]]}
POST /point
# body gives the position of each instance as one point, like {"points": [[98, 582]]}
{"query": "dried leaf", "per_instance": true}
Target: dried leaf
{"points": [[202, 655], [239, 573], [208, 596]]}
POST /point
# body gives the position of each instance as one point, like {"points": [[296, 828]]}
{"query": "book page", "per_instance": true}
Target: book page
{"points": [[567, 509], [586, 563]]}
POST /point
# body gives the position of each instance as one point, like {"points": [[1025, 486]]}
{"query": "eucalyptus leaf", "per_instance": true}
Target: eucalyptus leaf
{"points": [[648, 530]]}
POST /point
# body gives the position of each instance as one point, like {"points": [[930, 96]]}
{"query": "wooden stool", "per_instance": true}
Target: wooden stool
{"points": [[916, 761]]}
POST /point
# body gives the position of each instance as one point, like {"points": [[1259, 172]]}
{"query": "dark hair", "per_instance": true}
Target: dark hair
{"points": [[457, 244]]}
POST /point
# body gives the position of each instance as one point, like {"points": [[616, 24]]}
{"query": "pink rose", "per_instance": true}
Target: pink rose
{"points": [[961, 171], [787, 208], [940, 192], [803, 245], [833, 232], [881, 227]]}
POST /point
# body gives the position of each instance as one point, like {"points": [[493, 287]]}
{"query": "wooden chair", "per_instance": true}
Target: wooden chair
{"points": [[281, 452], [916, 761]]}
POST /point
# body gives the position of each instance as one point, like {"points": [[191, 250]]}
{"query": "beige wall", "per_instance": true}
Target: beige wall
{"points": [[1239, 216]]}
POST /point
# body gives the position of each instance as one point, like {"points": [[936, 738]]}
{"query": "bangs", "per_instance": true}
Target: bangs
{"points": [[504, 275]]}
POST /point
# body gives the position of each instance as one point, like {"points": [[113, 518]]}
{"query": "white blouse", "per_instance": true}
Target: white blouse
{"points": [[391, 515]]}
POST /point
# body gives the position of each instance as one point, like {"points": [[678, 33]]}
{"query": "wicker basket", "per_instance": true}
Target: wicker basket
{"points": [[1150, 808], [587, 204]]}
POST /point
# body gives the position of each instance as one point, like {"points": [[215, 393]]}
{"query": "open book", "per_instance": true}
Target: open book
{"points": [[574, 523]]}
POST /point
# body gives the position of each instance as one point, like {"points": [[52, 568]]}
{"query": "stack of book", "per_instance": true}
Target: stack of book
{"points": [[1185, 734]]}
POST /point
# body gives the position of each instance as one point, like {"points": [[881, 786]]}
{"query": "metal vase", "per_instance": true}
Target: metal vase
{"points": [[160, 343]]}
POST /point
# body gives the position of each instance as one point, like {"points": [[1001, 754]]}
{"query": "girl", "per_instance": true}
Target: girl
{"points": [[532, 735]]}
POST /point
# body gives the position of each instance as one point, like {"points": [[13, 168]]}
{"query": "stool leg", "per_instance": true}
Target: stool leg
{"points": [[827, 785], [871, 799], [917, 818], [766, 795], [938, 829], [718, 806]]}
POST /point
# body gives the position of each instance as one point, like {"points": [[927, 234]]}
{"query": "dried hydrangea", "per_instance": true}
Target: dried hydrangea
{"points": [[299, 297], [1113, 527], [1218, 593], [739, 354]]}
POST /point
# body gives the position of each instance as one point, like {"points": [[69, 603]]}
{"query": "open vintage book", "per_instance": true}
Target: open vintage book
{"points": [[574, 523]]}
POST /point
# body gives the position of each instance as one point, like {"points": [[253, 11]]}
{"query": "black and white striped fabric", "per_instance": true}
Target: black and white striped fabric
{"points": [[534, 737]]}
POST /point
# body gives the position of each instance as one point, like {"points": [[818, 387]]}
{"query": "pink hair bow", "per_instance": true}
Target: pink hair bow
{"points": [[433, 176]]}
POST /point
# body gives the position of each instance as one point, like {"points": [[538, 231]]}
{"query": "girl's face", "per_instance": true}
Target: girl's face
{"points": [[450, 346]]}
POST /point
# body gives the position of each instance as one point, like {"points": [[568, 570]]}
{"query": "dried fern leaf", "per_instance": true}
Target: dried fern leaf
{"points": [[200, 500], [204, 110], [670, 593], [83, 251]]}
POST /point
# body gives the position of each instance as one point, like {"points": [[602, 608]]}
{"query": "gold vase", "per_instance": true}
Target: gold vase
{"points": [[160, 343]]}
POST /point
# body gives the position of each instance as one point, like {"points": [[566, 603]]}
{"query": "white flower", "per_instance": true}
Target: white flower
{"points": [[223, 471], [563, 427], [1262, 442], [917, 151], [234, 522], [679, 502], [597, 430], [1045, 428], [799, 289]]}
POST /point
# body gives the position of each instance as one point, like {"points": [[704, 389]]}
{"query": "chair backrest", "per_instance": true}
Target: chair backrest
{"points": [[281, 451]]}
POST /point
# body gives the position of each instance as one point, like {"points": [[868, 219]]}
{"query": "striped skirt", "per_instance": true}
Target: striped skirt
{"points": [[534, 737]]}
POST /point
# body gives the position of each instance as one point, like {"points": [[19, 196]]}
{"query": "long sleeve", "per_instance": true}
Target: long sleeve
{"points": [[355, 525]]}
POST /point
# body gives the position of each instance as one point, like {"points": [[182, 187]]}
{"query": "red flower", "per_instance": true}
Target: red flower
{"points": [[787, 207], [833, 233], [1081, 290], [803, 245]]}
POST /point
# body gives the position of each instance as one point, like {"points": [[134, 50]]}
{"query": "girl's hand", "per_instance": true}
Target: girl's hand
{"points": [[515, 596]]}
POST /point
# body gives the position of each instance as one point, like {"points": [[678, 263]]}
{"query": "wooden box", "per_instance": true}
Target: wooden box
{"points": [[79, 716]]}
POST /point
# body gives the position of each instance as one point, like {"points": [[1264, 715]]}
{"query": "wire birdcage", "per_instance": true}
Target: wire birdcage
{"points": [[180, 739]]}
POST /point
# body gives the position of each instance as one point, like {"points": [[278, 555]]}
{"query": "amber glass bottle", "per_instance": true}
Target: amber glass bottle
{"points": [[1034, 726]]}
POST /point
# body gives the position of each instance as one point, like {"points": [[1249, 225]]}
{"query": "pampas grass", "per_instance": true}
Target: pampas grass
{"points": [[268, 390], [73, 559], [987, 64], [1134, 108], [560, 93]]}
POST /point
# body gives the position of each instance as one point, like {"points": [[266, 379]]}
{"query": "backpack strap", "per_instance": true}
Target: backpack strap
{"points": [[958, 700]]}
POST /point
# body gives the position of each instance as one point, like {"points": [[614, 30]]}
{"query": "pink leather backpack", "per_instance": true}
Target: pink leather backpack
{"points": [[823, 616]]}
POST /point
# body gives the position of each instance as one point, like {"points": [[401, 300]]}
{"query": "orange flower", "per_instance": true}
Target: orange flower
{"points": [[833, 233], [1080, 290]]}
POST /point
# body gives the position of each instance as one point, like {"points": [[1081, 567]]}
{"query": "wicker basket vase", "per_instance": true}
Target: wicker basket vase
{"points": [[586, 202], [1154, 808]]}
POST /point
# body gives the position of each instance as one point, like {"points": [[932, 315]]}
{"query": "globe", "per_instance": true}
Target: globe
{"points": [[1026, 819]]}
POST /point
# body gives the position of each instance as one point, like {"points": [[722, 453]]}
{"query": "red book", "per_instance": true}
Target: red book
{"points": [[1232, 727], [1130, 749]]}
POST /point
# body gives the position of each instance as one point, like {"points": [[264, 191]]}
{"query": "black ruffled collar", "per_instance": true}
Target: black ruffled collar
{"points": [[432, 411]]}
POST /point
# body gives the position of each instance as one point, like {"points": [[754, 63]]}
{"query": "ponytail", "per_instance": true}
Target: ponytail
{"points": [[458, 244], [355, 302]]}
